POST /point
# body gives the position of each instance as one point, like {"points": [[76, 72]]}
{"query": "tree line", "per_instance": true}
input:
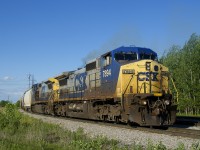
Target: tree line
{"points": [[3, 103], [184, 67]]}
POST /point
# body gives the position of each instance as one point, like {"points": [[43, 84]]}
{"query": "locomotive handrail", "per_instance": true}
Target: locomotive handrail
{"points": [[141, 87], [128, 84], [147, 84], [122, 99], [175, 89]]}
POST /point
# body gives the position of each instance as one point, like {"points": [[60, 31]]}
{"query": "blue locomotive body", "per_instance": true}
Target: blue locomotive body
{"points": [[105, 70]]}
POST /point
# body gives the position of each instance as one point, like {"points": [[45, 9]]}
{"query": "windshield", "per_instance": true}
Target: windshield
{"points": [[122, 56], [148, 56]]}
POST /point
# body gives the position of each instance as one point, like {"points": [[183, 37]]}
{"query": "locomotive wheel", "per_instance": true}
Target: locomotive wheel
{"points": [[105, 118], [117, 119]]}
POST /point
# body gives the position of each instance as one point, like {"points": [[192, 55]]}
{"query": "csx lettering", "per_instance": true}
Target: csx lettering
{"points": [[146, 75]]}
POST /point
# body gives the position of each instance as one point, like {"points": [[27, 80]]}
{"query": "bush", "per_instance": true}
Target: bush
{"points": [[17, 104], [3, 103], [159, 146], [10, 118]]}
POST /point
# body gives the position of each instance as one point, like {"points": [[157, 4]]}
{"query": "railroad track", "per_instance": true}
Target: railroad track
{"points": [[173, 131], [188, 120]]}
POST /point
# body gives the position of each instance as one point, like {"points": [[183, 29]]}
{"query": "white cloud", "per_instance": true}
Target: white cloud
{"points": [[6, 78]]}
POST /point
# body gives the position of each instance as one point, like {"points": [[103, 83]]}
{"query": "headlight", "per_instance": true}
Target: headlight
{"points": [[167, 102], [143, 102], [148, 66]]}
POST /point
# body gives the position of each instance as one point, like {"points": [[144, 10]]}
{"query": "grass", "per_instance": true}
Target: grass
{"points": [[20, 132]]}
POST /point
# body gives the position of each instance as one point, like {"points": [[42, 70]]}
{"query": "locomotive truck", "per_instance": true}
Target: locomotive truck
{"points": [[126, 84]]}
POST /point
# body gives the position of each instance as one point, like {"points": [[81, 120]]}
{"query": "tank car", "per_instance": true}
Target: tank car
{"points": [[26, 100], [126, 84]]}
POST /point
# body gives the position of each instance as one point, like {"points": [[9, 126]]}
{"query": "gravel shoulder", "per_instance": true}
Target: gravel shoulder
{"points": [[125, 136]]}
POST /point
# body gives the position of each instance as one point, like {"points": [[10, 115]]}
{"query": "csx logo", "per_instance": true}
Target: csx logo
{"points": [[142, 76], [107, 73]]}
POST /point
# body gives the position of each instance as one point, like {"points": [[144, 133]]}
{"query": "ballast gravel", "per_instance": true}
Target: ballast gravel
{"points": [[125, 136]]}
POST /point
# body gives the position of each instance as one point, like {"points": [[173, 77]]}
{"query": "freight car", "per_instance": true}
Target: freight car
{"points": [[26, 100], [126, 84]]}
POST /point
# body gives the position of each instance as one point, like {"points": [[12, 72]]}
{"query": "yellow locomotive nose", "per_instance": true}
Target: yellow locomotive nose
{"points": [[143, 77], [144, 85]]}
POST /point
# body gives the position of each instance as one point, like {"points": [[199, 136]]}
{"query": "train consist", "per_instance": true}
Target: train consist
{"points": [[126, 85]]}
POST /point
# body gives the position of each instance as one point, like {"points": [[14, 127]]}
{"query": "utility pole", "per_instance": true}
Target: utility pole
{"points": [[29, 80], [32, 79]]}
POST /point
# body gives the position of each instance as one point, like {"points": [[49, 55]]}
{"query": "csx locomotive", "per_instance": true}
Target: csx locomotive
{"points": [[126, 85]]}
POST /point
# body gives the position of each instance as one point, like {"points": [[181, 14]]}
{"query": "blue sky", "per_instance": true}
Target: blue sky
{"points": [[48, 37]]}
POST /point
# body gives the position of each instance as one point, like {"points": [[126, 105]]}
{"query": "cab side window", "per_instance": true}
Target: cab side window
{"points": [[106, 60]]}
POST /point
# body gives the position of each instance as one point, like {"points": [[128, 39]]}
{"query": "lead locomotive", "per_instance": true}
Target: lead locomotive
{"points": [[123, 85]]}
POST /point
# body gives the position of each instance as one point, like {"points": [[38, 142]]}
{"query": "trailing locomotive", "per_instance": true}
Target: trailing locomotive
{"points": [[126, 84]]}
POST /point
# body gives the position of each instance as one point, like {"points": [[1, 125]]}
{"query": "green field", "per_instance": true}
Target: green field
{"points": [[20, 132]]}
